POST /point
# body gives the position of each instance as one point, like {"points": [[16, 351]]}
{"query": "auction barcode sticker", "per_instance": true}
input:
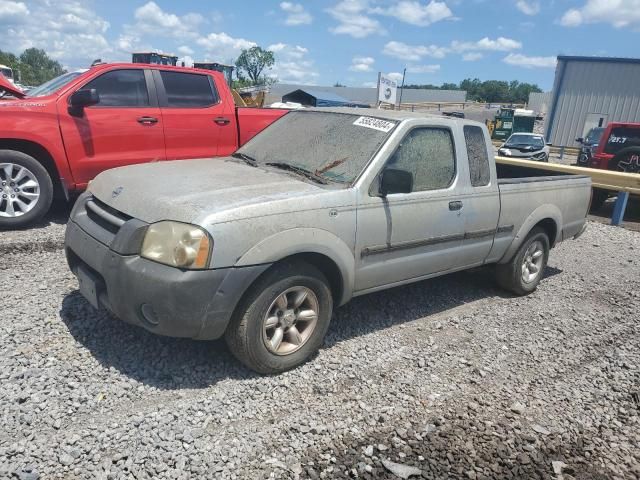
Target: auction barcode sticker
{"points": [[375, 123]]}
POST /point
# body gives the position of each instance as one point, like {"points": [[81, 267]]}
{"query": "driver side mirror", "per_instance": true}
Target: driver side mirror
{"points": [[579, 139], [81, 99], [394, 180]]}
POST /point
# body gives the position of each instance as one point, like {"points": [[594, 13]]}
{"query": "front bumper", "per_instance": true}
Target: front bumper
{"points": [[162, 299]]}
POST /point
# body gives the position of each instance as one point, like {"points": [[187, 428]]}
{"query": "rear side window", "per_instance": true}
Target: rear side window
{"points": [[428, 154], [478, 156], [188, 90], [622, 137], [121, 88]]}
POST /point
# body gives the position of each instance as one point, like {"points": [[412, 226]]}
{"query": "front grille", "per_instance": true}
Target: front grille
{"points": [[105, 216]]}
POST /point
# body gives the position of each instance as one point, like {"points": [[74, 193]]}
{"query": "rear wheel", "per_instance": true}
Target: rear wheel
{"points": [[282, 320], [626, 160], [522, 274], [26, 190]]}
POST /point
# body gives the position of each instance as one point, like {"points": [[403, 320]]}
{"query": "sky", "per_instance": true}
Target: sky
{"points": [[324, 42]]}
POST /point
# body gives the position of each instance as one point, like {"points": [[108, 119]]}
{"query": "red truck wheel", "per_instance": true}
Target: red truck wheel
{"points": [[26, 190], [626, 160]]}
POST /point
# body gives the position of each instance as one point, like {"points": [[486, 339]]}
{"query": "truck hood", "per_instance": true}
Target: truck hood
{"points": [[7, 86], [189, 190]]}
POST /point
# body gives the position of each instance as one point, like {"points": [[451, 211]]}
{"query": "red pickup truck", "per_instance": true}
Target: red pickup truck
{"points": [[618, 150], [60, 135]]}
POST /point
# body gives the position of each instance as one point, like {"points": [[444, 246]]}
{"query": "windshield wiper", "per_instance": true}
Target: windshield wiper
{"points": [[299, 170], [247, 158]]}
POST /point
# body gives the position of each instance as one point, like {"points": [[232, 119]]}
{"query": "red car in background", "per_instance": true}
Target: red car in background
{"points": [[618, 150], [58, 136]]}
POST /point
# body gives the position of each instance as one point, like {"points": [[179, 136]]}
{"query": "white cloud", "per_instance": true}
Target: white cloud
{"points": [[525, 61], [528, 7], [413, 53], [353, 19], [292, 64], [397, 76], [10, 10], [222, 46], [618, 13], [423, 68], [415, 13], [296, 14], [472, 56], [362, 64], [71, 32], [501, 44], [152, 20], [185, 50]]}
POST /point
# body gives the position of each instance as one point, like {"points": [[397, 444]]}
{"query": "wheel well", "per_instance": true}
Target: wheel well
{"points": [[327, 266], [41, 155], [550, 228]]}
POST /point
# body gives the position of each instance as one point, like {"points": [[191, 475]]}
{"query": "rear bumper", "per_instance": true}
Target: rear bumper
{"points": [[162, 299]]}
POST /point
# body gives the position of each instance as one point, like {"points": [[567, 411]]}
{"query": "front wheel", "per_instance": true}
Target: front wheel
{"points": [[282, 320], [522, 274], [26, 190]]}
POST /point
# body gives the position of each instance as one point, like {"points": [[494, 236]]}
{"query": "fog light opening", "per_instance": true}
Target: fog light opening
{"points": [[149, 315]]}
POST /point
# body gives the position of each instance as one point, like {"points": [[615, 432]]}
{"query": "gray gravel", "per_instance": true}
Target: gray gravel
{"points": [[449, 378]]}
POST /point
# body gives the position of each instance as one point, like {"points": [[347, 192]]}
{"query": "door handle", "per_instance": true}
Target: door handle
{"points": [[222, 120], [455, 205], [147, 120]]}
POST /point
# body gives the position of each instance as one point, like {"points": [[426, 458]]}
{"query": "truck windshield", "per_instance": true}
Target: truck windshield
{"points": [[332, 146], [622, 137], [524, 141], [7, 73], [54, 85], [594, 135]]}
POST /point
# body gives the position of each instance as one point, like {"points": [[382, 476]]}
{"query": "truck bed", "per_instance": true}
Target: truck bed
{"points": [[525, 191]]}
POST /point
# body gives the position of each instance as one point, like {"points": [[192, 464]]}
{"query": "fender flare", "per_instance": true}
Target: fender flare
{"points": [[305, 240], [543, 212]]}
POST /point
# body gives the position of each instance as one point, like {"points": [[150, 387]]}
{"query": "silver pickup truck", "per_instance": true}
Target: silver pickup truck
{"points": [[320, 207]]}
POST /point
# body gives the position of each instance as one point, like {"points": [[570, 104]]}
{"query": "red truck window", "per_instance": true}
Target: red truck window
{"points": [[121, 88], [188, 90], [622, 137]]}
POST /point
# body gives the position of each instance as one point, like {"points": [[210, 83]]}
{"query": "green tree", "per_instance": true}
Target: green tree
{"points": [[251, 63], [34, 66]]}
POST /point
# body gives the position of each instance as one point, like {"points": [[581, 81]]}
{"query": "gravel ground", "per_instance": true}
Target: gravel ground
{"points": [[448, 378]]}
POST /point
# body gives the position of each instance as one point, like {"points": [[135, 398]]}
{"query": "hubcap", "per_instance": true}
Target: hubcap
{"points": [[532, 263], [290, 320], [19, 190], [631, 164]]}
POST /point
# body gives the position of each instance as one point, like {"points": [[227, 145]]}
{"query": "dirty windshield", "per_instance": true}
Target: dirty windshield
{"points": [[325, 146]]}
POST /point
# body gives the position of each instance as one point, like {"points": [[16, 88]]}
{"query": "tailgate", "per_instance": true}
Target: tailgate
{"points": [[251, 121]]}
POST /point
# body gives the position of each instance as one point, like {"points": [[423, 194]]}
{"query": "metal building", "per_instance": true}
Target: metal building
{"points": [[539, 102], [590, 92]]}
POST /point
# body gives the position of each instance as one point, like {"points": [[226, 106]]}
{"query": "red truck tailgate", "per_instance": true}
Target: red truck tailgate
{"points": [[253, 120]]}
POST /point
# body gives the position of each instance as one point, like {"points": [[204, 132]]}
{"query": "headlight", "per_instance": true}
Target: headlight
{"points": [[505, 151], [177, 244]]}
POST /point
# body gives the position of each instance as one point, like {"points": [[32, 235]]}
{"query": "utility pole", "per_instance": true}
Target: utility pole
{"points": [[404, 72]]}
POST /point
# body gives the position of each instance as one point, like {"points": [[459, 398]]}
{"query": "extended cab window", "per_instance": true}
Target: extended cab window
{"points": [[477, 154], [427, 153], [188, 90], [121, 88]]}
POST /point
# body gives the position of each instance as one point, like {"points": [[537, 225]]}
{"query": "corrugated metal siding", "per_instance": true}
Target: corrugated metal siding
{"points": [[611, 88], [368, 95], [539, 102]]}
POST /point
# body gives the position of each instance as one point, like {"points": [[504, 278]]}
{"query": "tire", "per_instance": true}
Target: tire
{"points": [[511, 275], [598, 197], [26, 190], [626, 160], [252, 333]]}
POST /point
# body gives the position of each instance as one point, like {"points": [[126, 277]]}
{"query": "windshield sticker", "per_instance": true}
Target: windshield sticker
{"points": [[375, 124]]}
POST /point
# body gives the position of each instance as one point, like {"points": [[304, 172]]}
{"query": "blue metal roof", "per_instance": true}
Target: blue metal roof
{"points": [[576, 58], [328, 99]]}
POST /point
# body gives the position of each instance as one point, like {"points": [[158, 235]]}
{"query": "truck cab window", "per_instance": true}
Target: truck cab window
{"points": [[427, 153], [188, 90], [121, 88], [477, 154]]}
